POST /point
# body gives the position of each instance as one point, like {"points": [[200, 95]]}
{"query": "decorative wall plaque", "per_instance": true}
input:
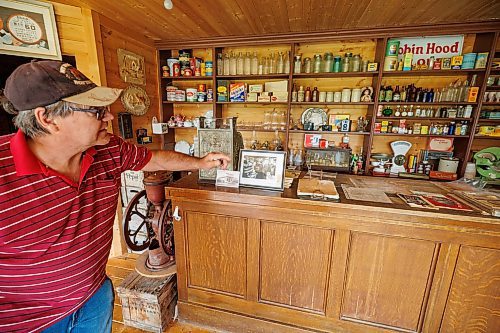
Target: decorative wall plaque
{"points": [[135, 100], [131, 67]]}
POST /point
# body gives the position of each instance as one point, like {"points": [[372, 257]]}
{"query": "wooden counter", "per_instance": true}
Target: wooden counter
{"points": [[260, 261]]}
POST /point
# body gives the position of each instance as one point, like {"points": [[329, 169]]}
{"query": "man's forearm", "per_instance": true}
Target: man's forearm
{"points": [[172, 161]]}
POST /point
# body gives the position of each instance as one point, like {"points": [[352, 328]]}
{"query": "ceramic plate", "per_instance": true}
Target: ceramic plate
{"points": [[182, 147], [317, 116]]}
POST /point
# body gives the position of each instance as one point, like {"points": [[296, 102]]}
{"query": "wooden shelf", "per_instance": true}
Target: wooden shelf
{"points": [[491, 103], [436, 72], [328, 132], [332, 75], [258, 130], [492, 88], [422, 135], [183, 128], [332, 103], [188, 78], [427, 103], [425, 118], [254, 103], [253, 77], [486, 137], [193, 103], [490, 121]]}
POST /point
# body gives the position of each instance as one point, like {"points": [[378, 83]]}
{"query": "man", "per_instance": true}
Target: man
{"points": [[59, 182]]}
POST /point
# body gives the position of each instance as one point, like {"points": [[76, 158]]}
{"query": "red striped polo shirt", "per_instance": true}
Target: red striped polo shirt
{"points": [[55, 235]]}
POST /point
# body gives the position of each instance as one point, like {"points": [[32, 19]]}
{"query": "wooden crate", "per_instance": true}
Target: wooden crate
{"points": [[148, 303]]}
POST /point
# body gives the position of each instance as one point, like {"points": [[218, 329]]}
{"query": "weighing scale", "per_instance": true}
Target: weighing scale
{"points": [[379, 163], [400, 149]]}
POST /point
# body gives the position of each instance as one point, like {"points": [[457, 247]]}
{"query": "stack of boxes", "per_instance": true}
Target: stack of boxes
{"points": [[276, 92]]}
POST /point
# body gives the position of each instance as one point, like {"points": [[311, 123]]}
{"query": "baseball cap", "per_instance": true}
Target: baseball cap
{"points": [[43, 82]]}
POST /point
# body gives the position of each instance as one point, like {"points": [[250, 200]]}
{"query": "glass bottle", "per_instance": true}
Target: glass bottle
{"points": [[262, 64], [301, 94], [317, 63], [294, 93], [297, 64], [278, 146], [307, 65], [272, 64], [388, 94], [239, 64], [336, 64], [280, 64], [396, 96], [307, 97], [282, 120], [247, 64], [267, 120], [275, 121], [267, 63], [226, 64], [232, 64], [287, 62], [315, 95], [254, 64], [220, 64]]}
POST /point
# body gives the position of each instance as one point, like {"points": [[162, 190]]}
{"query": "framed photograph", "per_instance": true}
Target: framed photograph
{"points": [[262, 169], [28, 29]]}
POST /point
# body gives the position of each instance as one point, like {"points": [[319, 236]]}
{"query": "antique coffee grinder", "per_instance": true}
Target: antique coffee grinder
{"points": [[149, 214]]}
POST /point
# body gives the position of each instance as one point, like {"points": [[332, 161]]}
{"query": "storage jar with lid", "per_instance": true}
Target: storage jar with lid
{"points": [[297, 64], [328, 63], [355, 63], [345, 65], [317, 63], [336, 64]]}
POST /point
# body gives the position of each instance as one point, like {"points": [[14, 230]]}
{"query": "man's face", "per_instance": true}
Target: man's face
{"points": [[84, 129]]}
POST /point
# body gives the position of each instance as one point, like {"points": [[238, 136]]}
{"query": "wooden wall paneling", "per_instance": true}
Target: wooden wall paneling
{"points": [[114, 37], [473, 303], [216, 247], [294, 262], [443, 275], [387, 280]]}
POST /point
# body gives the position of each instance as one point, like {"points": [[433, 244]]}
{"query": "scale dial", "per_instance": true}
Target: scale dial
{"points": [[400, 159]]}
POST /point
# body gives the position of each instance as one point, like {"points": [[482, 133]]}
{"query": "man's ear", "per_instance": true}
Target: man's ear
{"points": [[47, 122]]}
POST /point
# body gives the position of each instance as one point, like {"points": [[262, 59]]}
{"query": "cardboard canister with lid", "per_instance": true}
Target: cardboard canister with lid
{"points": [[390, 63], [392, 48]]}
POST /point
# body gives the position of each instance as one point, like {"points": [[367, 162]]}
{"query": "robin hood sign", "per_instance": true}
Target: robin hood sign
{"points": [[425, 47], [28, 28]]}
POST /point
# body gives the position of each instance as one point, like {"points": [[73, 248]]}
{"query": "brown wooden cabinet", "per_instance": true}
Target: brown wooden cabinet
{"points": [[371, 47], [256, 261]]}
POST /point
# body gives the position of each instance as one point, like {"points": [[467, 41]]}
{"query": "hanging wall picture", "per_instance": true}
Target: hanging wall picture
{"points": [[131, 67], [135, 100], [28, 29]]}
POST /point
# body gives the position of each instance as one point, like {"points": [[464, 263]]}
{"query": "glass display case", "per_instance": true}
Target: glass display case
{"points": [[328, 159]]}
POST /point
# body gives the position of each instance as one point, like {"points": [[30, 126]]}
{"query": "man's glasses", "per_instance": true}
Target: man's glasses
{"points": [[99, 111]]}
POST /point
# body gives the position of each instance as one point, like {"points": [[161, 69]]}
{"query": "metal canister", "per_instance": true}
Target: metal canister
{"points": [[202, 87], [176, 69], [180, 95], [336, 64], [210, 95], [171, 93], [201, 96], [208, 68], [191, 95]]}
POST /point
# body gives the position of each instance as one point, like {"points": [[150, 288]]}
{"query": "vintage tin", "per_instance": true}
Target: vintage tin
{"points": [[180, 95], [208, 68], [202, 87], [210, 95], [191, 95], [176, 69], [171, 93]]}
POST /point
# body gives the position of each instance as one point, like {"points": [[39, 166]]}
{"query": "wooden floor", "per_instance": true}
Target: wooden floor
{"points": [[117, 269]]}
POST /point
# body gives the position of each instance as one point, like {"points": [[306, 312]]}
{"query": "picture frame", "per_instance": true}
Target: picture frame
{"points": [[263, 169], [29, 29]]}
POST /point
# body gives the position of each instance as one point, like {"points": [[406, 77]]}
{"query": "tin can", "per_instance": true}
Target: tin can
{"points": [[197, 72], [202, 69], [202, 87], [208, 68], [210, 95], [180, 95], [187, 72], [201, 96], [177, 69], [171, 93], [191, 95], [165, 71]]}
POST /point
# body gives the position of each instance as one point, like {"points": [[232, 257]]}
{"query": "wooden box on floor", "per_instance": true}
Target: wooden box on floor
{"points": [[148, 303]]}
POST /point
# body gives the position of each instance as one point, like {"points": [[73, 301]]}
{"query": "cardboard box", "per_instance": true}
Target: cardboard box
{"points": [[131, 178], [264, 99], [442, 175], [255, 88], [481, 60], [223, 90], [456, 62], [276, 86], [252, 97], [372, 67], [472, 97], [237, 92], [407, 61], [279, 96]]}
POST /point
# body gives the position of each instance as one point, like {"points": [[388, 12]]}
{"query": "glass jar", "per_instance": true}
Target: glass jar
{"points": [[247, 64], [239, 64], [328, 63], [345, 65], [356, 63], [317, 63], [220, 64], [297, 64], [232, 64], [307, 65], [254, 65], [267, 120], [336, 64], [226, 64]]}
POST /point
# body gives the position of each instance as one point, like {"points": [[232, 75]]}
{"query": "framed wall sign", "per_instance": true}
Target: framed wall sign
{"points": [[28, 29], [131, 67]]}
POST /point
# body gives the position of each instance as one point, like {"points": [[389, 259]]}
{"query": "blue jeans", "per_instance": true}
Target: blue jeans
{"points": [[95, 315]]}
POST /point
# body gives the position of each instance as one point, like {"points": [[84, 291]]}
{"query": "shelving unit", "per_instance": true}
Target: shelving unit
{"points": [[372, 49]]}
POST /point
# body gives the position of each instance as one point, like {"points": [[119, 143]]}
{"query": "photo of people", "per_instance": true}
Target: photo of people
{"points": [[263, 169]]}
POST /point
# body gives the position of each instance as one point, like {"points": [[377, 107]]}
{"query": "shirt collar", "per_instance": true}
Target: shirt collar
{"points": [[27, 163]]}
